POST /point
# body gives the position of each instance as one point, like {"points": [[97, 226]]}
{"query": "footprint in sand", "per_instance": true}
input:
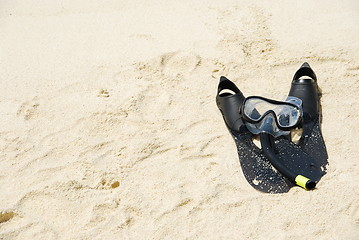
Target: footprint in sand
{"points": [[28, 109], [179, 63]]}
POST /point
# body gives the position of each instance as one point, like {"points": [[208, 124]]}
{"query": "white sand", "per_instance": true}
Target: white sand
{"points": [[109, 128]]}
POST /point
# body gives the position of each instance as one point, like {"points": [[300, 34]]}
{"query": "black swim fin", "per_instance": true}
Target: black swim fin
{"points": [[305, 87], [311, 146]]}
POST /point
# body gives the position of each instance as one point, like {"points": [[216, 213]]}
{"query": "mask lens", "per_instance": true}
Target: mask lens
{"points": [[255, 108], [287, 115]]}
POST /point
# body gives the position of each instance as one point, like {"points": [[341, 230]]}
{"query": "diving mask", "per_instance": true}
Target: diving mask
{"points": [[277, 118]]}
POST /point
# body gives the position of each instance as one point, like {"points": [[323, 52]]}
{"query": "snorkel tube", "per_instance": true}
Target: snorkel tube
{"points": [[267, 142]]}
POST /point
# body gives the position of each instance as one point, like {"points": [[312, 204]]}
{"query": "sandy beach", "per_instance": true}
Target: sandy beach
{"points": [[110, 130]]}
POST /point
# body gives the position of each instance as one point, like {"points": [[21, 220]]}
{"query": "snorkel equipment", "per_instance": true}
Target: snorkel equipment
{"points": [[271, 119]]}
